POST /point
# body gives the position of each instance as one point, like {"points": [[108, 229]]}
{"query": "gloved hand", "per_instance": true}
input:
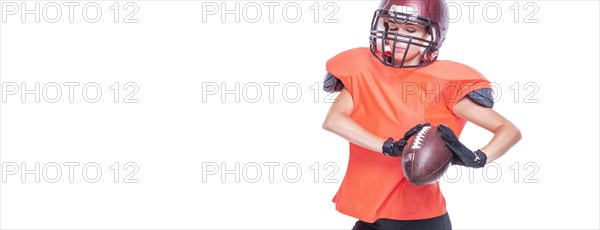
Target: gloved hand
{"points": [[462, 155], [394, 148]]}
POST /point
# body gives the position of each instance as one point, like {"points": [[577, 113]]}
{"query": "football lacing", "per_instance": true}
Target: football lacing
{"points": [[419, 137]]}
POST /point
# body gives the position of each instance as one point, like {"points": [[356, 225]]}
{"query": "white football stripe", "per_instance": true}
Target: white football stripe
{"points": [[419, 137]]}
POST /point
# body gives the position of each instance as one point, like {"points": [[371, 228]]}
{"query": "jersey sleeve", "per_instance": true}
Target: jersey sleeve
{"points": [[464, 81], [345, 67], [332, 84]]}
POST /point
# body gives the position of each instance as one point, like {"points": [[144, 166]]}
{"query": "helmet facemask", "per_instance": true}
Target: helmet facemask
{"points": [[384, 40]]}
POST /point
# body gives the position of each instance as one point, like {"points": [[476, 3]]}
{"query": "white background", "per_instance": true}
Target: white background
{"points": [[546, 73]]}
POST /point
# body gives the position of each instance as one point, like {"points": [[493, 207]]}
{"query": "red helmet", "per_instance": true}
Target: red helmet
{"points": [[429, 14]]}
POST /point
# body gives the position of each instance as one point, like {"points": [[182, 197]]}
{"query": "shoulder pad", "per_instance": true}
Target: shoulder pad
{"points": [[332, 84], [350, 62], [482, 97], [453, 71]]}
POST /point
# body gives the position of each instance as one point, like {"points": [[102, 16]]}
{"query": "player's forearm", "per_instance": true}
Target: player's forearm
{"points": [[344, 126], [505, 137]]}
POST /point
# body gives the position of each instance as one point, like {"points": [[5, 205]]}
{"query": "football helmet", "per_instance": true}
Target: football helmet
{"points": [[387, 41]]}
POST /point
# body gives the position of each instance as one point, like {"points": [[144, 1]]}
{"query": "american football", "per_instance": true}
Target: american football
{"points": [[425, 157]]}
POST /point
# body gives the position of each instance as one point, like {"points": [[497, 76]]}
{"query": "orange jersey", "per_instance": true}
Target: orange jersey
{"points": [[387, 102]]}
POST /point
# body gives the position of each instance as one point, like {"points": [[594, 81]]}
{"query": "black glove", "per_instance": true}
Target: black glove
{"points": [[462, 155], [394, 148]]}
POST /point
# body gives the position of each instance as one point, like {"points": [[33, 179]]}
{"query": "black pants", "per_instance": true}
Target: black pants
{"points": [[437, 223]]}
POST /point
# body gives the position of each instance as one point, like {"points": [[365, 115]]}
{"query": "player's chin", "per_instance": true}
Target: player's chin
{"points": [[399, 60], [409, 55]]}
